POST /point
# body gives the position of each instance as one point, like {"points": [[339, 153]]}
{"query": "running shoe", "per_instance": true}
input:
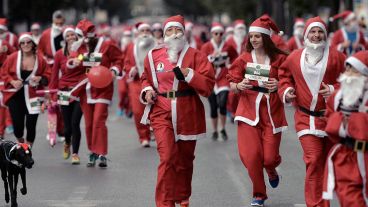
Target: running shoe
{"points": [[214, 136], [145, 144], [75, 159], [92, 160], [66, 152], [273, 178], [9, 129], [103, 161], [257, 201], [224, 134]]}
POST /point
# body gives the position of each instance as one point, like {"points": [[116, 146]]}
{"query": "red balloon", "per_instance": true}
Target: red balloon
{"points": [[99, 76]]}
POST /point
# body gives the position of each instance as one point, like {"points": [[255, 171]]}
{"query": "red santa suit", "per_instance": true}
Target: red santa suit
{"points": [[341, 35], [279, 42], [95, 101], [5, 119], [133, 62], [295, 43], [172, 118], [347, 163], [260, 116], [9, 37], [307, 80], [11, 70]]}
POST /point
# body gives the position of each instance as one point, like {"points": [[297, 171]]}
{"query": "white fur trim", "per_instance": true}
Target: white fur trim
{"points": [[69, 65], [143, 92], [79, 31], [143, 25], [90, 100], [332, 88], [217, 28], [357, 64], [189, 76], [173, 24], [315, 24], [328, 195], [284, 95], [69, 29], [25, 36], [315, 132], [349, 17], [3, 27], [115, 69], [259, 29], [144, 119]]}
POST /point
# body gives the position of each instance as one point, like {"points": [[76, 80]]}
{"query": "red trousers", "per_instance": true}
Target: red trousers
{"points": [[259, 149], [95, 116], [5, 119], [123, 90], [349, 183], [138, 109], [175, 170], [315, 150]]}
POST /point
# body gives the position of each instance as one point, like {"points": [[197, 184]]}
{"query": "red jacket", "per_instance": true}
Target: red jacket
{"points": [[340, 37]]}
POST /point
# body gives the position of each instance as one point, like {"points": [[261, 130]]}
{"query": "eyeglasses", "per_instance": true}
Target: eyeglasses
{"points": [[25, 43], [218, 33]]}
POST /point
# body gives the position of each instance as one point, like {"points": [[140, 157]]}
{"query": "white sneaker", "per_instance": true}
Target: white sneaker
{"points": [[145, 144], [60, 139], [47, 137]]}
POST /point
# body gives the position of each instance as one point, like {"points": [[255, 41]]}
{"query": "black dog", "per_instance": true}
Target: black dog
{"points": [[14, 158]]}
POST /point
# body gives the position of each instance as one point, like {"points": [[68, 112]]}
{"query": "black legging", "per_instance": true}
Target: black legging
{"points": [[72, 115], [19, 112], [218, 101]]}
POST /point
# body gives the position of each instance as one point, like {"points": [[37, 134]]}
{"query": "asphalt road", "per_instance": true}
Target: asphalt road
{"points": [[220, 179]]}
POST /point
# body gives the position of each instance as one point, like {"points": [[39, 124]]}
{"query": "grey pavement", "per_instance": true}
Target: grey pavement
{"points": [[220, 179]]}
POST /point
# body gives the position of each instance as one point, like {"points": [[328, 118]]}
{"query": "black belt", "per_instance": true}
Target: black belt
{"points": [[261, 89], [219, 66], [354, 144], [312, 113], [173, 94]]}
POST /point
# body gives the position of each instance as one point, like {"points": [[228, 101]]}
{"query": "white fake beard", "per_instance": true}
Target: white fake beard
{"points": [[314, 52], [145, 41], [175, 44], [239, 35], [352, 88], [56, 30], [75, 46]]}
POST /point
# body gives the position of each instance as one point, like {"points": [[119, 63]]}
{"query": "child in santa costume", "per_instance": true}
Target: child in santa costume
{"points": [[347, 112], [134, 67], [23, 73], [308, 77], [349, 39], [95, 101], [221, 55], [65, 80], [174, 76], [296, 41], [260, 113]]}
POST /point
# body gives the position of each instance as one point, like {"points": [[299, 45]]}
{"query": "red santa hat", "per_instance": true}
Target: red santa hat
{"points": [[26, 35], [127, 31], [345, 16], [35, 26], [217, 27], [359, 61], [314, 22], [86, 28], [174, 21], [104, 27], [67, 29], [299, 22], [3, 24], [239, 23], [142, 25], [264, 25], [157, 26], [229, 29]]}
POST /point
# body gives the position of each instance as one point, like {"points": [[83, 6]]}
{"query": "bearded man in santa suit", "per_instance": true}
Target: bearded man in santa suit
{"points": [[134, 66], [6, 35], [94, 101], [308, 77], [174, 76], [349, 39], [221, 55], [238, 40], [347, 114], [296, 41], [51, 38]]}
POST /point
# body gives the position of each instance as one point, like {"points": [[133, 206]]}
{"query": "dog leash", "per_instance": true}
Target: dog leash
{"points": [[14, 162]]}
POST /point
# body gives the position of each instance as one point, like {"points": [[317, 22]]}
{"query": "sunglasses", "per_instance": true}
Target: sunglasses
{"points": [[25, 43], [218, 33]]}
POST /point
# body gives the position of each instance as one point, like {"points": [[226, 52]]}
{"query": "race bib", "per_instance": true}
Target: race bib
{"points": [[219, 60], [90, 61], [257, 72], [63, 98], [35, 104]]}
